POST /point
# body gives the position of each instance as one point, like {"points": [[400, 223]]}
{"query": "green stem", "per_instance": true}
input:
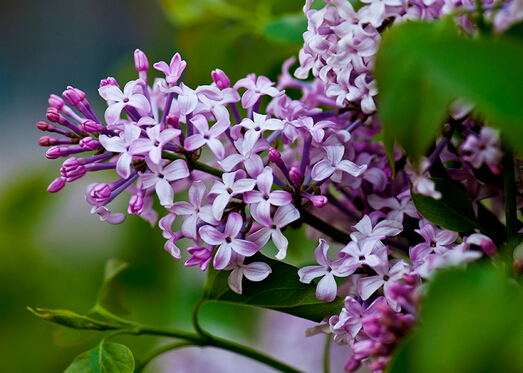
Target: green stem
{"points": [[326, 354], [160, 350], [209, 340]]}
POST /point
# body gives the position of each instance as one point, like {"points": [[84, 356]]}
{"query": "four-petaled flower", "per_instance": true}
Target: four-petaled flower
{"points": [[227, 240]]}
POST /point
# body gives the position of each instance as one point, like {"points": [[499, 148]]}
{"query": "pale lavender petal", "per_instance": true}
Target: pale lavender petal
{"points": [[196, 193], [217, 148], [327, 288], [244, 247], [206, 215], [307, 274], [189, 227], [112, 114], [243, 185], [211, 235], [261, 236], [176, 170], [200, 123], [111, 93], [320, 254], [322, 170], [182, 208], [280, 198], [194, 142], [351, 168], [264, 181], [281, 243], [368, 285], [219, 204], [140, 102], [233, 225], [113, 144], [249, 98], [285, 215], [222, 257], [141, 146], [256, 271], [235, 280], [148, 180], [123, 168], [231, 161], [164, 191]]}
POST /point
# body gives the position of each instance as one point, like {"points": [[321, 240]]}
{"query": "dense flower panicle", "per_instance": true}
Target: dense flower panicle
{"points": [[253, 173]]}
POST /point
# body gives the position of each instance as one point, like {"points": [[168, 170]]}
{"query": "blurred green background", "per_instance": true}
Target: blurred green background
{"points": [[52, 251]]}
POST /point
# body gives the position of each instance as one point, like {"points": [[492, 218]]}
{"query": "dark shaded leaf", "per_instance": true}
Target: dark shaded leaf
{"points": [[453, 211], [110, 296], [281, 291]]}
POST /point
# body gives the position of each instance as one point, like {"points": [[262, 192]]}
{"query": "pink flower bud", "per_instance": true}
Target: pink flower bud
{"points": [[173, 121], [53, 153], [221, 80], [295, 175], [89, 125], [72, 96], [140, 61], [101, 192], [45, 140], [56, 101], [88, 143], [52, 115], [56, 185], [69, 164], [274, 155], [319, 201], [44, 126], [352, 364], [136, 204], [75, 174]]}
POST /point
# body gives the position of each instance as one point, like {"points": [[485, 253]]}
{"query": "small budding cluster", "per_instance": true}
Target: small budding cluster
{"points": [[250, 173]]}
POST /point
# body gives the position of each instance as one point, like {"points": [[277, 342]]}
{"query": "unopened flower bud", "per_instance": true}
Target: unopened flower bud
{"points": [[136, 205], [56, 185], [72, 96], [173, 121], [221, 80], [319, 201], [44, 140], [352, 364], [140, 61], [274, 155], [89, 125], [56, 101], [75, 174], [43, 126], [295, 175], [101, 192], [88, 143], [52, 114]]}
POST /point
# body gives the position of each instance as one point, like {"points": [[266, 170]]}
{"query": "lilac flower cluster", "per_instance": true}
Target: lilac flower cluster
{"points": [[341, 43], [251, 173]]}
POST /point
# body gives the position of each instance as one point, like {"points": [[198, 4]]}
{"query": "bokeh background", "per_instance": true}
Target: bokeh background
{"points": [[52, 251]]}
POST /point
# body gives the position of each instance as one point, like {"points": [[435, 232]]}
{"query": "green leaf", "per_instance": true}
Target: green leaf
{"points": [[286, 29], [281, 291], [453, 211], [471, 323], [110, 296], [104, 358], [422, 67], [69, 319]]}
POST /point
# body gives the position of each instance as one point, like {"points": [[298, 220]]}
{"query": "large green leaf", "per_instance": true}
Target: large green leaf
{"points": [[104, 358], [281, 291], [422, 67], [453, 211], [110, 296], [471, 323]]}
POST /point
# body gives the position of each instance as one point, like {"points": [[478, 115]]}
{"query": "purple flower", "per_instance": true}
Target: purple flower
{"points": [[153, 146], [173, 71], [194, 210], [256, 271], [263, 198], [437, 240], [283, 216], [206, 136], [118, 100], [327, 288], [334, 165], [160, 177], [227, 240], [255, 89]]}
